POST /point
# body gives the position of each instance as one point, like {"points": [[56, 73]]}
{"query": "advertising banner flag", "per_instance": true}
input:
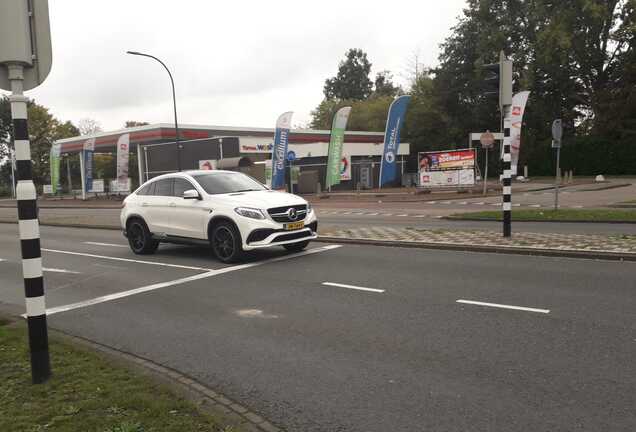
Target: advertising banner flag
{"points": [[447, 168], [516, 119], [336, 142], [123, 153], [88, 149], [279, 151], [394, 122], [54, 165]]}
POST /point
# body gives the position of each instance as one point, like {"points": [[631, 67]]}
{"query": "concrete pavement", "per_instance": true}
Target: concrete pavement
{"points": [[387, 346]]}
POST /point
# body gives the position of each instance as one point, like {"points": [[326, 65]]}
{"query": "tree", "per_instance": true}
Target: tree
{"points": [[352, 81], [383, 85], [44, 129], [132, 123], [366, 115], [88, 126]]}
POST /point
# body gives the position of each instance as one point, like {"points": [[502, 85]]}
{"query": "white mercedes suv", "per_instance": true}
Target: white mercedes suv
{"points": [[227, 210]]}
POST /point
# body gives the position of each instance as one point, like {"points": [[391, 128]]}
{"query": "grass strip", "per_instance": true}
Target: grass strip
{"points": [[563, 215]]}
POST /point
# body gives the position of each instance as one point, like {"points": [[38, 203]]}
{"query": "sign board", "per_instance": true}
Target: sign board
{"points": [[48, 189], [557, 133], [116, 187], [447, 168], [98, 185], [25, 38], [207, 164], [487, 139]]}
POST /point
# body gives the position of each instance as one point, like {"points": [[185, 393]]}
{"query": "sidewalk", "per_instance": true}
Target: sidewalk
{"points": [[621, 247]]}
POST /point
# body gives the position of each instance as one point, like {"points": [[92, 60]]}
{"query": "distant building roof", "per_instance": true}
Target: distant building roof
{"points": [[165, 132]]}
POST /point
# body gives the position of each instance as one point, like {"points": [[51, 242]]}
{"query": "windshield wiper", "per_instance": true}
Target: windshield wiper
{"points": [[245, 190]]}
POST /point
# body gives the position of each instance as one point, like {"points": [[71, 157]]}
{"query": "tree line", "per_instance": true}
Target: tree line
{"points": [[576, 57]]}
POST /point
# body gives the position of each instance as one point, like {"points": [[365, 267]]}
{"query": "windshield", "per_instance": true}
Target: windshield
{"points": [[227, 182]]}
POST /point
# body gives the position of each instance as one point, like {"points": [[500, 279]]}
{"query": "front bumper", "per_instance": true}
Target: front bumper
{"points": [[269, 233]]}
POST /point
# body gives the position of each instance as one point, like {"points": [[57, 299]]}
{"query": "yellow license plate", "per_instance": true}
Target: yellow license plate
{"points": [[294, 226]]}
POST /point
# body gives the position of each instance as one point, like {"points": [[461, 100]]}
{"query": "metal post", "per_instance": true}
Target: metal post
{"points": [[139, 164], [486, 173], [29, 233], [174, 104], [557, 179], [507, 181], [68, 174], [82, 175]]}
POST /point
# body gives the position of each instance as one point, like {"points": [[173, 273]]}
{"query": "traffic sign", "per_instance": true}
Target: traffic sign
{"points": [[487, 139], [291, 155], [25, 39]]}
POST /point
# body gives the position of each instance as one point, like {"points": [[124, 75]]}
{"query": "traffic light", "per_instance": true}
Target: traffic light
{"points": [[498, 80]]}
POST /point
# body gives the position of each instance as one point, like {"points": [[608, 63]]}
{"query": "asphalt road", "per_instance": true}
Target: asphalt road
{"points": [[401, 354]]}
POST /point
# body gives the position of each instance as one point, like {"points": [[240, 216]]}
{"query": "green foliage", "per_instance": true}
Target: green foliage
{"points": [[352, 81], [383, 85], [86, 393], [562, 215], [366, 115], [44, 129]]}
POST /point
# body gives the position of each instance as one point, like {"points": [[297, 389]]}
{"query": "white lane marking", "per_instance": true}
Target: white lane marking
{"points": [[254, 313], [125, 259], [402, 215], [534, 205], [354, 287], [503, 306], [106, 244], [479, 203], [207, 274], [372, 214], [2, 259], [57, 270], [387, 214], [421, 216]]}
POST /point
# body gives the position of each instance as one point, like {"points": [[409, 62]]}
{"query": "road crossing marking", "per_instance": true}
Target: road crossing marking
{"points": [[503, 306], [206, 274], [353, 287], [106, 244], [126, 259], [57, 270]]}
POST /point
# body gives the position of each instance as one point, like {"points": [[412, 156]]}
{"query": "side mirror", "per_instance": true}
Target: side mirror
{"points": [[191, 194]]}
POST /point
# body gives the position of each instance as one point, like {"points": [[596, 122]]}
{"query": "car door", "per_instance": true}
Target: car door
{"points": [[190, 214], [159, 208]]}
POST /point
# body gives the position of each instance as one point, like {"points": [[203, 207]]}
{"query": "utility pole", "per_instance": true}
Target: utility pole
{"points": [[25, 61], [557, 134], [500, 82]]}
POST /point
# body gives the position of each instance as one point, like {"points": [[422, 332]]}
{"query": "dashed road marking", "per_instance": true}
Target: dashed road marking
{"points": [[503, 306], [106, 244], [353, 287], [57, 270]]}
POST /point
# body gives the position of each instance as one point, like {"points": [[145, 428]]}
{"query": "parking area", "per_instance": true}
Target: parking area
{"points": [[359, 338]]}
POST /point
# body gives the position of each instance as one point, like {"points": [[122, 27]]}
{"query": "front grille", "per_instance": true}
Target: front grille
{"points": [[279, 214], [292, 236]]}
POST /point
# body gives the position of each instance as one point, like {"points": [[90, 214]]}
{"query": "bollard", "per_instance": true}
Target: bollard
{"points": [[507, 182]]}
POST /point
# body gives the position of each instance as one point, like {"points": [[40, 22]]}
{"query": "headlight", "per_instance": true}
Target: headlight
{"points": [[309, 208], [251, 213]]}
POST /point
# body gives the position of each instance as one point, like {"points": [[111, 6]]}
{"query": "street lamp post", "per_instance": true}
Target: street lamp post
{"points": [[174, 103]]}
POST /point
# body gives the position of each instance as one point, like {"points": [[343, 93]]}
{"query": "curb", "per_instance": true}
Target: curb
{"points": [[203, 396], [513, 250], [475, 219]]}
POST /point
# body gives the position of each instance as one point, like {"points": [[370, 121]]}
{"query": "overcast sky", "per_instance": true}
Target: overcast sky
{"points": [[235, 63]]}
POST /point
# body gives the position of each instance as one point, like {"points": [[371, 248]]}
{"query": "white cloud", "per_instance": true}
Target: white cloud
{"points": [[234, 63]]}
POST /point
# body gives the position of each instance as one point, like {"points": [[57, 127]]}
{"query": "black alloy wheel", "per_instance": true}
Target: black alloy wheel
{"points": [[140, 239], [226, 243]]}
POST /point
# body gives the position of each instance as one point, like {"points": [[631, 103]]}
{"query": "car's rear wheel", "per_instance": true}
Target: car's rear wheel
{"points": [[226, 242], [140, 239], [296, 247]]}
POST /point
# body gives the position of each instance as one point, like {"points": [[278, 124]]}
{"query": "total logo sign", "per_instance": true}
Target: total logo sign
{"points": [[390, 157]]}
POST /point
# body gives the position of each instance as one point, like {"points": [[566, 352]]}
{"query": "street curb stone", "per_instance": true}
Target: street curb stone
{"points": [[207, 397]]}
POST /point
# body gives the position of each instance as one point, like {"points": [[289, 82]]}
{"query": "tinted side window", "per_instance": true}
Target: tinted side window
{"points": [[180, 186], [147, 190], [163, 188]]}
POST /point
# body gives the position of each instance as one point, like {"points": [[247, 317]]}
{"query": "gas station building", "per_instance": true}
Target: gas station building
{"points": [[245, 149]]}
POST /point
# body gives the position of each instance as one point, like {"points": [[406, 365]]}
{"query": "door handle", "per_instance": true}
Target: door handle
{"points": [[172, 204]]}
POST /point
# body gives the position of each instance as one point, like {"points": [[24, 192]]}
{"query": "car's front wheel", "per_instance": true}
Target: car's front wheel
{"points": [[140, 239], [226, 242], [296, 247]]}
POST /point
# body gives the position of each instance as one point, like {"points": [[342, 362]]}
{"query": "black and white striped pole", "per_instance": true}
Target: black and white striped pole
{"points": [[507, 181], [29, 233], [25, 62]]}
